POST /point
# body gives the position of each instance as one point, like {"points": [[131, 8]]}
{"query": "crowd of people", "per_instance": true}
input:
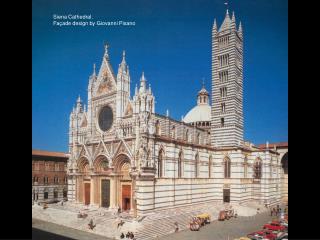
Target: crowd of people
{"points": [[277, 211]]}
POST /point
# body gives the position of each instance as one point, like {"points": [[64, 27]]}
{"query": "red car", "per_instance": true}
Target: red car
{"points": [[262, 234], [274, 226]]}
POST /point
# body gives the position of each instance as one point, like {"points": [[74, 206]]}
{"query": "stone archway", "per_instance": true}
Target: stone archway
{"points": [[101, 180], [284, 177], [123, 183], [284, 163], [83, 190]]}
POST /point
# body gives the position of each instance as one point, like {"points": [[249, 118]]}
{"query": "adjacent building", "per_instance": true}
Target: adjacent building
{"points": [[49, 176]]}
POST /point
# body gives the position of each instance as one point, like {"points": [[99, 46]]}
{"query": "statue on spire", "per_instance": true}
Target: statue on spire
{"points": [[106, 48], [94, 70]]}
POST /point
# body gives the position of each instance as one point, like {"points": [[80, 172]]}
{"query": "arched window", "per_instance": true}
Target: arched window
{"points": [[160, 163], [245, 167], [210, 166], [196, 170], [158, 130], [257, 169], [227, 168], [180, 159]]}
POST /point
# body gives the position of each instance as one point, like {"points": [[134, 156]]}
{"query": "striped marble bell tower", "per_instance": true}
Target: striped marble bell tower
{"points": [[227, 84]]}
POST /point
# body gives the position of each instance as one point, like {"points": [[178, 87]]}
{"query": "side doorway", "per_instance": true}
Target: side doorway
{"points": [[226, 195]]}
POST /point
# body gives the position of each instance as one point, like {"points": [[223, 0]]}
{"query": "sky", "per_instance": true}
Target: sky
{"points": [[171, 43]]}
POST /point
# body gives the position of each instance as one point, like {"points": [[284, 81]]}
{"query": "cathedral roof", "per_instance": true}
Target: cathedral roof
{"points": [[200, 113], [203, 91]]}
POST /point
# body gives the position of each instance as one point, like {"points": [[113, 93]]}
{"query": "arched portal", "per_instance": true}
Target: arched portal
{"points": [[124, 183], [101, 181], [83, 181], [284, 163], [101, 165]]}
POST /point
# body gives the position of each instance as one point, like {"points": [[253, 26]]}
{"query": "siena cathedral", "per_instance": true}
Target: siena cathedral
{"points": [[125, 155]]}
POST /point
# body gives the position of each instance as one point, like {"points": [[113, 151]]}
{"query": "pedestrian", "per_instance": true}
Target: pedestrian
{"points": [[271, 212], [176, 227], [122, 236], [91, 225]]}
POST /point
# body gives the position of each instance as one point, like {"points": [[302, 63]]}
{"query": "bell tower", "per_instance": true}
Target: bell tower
{"points": [[227, 83]]}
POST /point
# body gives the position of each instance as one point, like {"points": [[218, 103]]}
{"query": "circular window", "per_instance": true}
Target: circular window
{"points": [[105, 118]]}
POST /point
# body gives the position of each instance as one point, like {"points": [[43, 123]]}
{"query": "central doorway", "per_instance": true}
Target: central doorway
{"points": [[126, 197], [86, 193], [105, 193]]}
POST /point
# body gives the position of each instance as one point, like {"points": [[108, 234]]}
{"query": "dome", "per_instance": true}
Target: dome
{"points": [[200, 113]]}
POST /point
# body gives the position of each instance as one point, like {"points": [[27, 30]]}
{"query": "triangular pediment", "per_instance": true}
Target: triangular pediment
{"points": [[122, 148], [84, 121], [106, 81], [84, 152], [101, 149]]}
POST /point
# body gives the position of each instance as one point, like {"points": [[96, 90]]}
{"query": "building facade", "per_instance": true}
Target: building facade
{"points": [[123, 154], [49, 176]]}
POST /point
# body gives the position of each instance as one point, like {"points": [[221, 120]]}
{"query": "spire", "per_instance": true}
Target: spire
{"points": [[226, 22], [123, 56], [149, 87], [233, 18], [240, 27], [106, 53], [123, 65], [142, 77], [142, 83], [136, 90], [94, 71], [79, 105], [214, 27], [167, 113]]}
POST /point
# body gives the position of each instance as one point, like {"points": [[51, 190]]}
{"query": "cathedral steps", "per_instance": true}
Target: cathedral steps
{"points": [[156, 226]]}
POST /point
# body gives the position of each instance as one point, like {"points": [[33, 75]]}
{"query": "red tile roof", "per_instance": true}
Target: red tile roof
{"points": [[49, 154], [271, 145]]}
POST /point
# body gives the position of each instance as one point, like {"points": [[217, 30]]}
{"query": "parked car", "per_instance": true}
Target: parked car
{"points": [[284, 223], [274, 226], [263, 234], [282, 236]]}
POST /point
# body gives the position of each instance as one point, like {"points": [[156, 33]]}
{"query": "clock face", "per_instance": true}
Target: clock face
{"points": [[105, 118]]}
